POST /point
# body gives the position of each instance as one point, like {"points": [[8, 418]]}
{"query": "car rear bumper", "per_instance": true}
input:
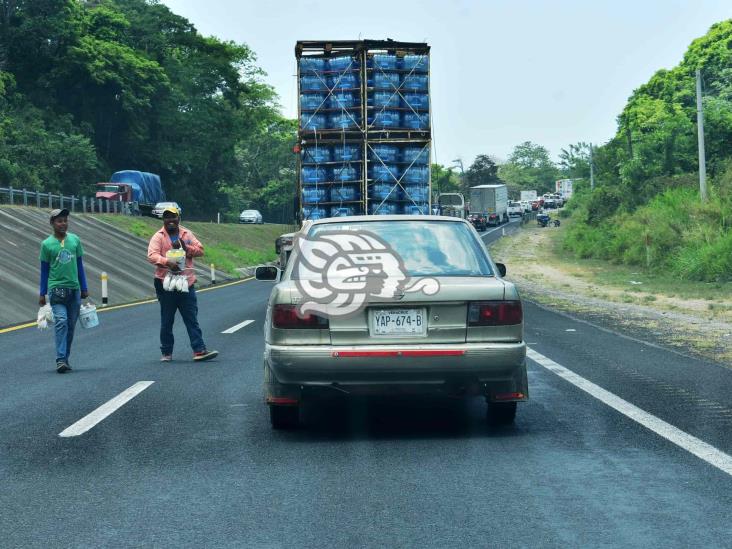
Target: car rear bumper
{"points": [[466, 369]]}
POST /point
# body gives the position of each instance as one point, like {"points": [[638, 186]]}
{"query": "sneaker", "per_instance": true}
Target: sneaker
{"points": [[205, 355], [62, 367], [166, 358]]}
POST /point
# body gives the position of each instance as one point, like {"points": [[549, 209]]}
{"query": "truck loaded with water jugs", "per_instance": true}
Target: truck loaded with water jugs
{"points": [[364, 128]]}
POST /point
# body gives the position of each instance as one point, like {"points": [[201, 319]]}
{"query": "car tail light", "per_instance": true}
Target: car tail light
{"points": [[287, 317], [495, 313]]}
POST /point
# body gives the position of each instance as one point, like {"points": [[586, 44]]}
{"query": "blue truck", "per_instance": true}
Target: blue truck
{"points": [[140, 191]]}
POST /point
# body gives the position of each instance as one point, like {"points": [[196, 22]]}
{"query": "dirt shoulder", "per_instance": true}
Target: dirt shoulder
{"points": [[693, 318]]}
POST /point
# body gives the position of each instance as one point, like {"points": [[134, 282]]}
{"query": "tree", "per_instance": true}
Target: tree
{"points": [[529, 167], [483, 171]]}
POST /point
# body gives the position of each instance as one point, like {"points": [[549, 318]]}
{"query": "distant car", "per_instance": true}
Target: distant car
{"points": [[515, 209], [159, 208], [464, 338], [479, 221], [526, 205], [251, 216]]}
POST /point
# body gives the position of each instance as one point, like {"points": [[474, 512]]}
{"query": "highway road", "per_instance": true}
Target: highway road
{"points": [[623, 444]]}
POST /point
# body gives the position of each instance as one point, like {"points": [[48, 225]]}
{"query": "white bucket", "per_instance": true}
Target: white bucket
{"points": [[88, 316]]}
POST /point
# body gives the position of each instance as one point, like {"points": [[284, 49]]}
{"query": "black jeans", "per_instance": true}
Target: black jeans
{"points": [[187, 304]]}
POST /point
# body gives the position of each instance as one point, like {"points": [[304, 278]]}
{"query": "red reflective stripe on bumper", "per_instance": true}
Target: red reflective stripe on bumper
{"points": [[282, 401], [407, 353], [509, 396]]}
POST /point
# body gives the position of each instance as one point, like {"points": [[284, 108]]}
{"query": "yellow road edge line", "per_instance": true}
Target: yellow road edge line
{"points": [[126, 305]]}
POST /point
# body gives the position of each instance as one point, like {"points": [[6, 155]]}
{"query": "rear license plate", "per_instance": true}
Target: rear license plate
{"points": [[398, 322]]}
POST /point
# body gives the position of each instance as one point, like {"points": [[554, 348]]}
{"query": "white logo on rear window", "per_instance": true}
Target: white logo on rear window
{"points": [[339, 273]]}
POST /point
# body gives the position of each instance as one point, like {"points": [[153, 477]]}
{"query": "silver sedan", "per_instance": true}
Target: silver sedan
{"points": [[392, 305]]}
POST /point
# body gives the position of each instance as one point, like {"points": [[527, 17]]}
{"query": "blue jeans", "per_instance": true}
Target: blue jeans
{"points": [[187, 304], [65, 303]]}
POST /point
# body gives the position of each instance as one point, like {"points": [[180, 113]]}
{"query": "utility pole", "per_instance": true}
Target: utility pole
{"points": [[700, 129], [592, 171]]}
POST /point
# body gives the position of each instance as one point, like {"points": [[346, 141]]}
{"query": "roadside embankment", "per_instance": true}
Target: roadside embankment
{"points": [[116, 245], [692, 317]]}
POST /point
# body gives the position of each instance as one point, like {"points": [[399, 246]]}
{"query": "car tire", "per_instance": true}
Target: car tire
{"points": [[284, 417], [501, 413]]}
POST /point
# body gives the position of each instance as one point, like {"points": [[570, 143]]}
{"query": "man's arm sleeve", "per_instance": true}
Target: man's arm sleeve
{"points": [[82, 274], [153, 252], [45, 269]]}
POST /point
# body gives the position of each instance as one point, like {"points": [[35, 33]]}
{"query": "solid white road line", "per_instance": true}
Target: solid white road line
{"points": [[237, 327], [691, 444], [106, 409]]}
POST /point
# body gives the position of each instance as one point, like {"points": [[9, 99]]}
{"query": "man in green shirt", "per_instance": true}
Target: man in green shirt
{"points": [[64, 280]]}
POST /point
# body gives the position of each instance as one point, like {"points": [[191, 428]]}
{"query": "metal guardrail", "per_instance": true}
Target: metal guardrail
{"points": [[24, 197]]}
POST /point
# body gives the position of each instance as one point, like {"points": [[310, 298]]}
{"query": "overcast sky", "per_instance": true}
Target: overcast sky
{"points": [[502, 72]]}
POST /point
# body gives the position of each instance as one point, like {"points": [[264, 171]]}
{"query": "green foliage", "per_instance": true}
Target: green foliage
{"points": [[483, 171], [645, 210], [529, 167], [94, 87]]}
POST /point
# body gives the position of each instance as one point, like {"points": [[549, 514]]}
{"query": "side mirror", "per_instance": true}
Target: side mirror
{"points": [[501, 269], [267, 272]]}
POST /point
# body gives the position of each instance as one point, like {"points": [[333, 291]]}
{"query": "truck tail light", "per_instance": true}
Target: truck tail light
{"points": [[287, 317], [495, 313]]}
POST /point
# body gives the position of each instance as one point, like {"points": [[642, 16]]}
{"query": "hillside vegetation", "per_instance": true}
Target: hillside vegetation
{"points": [[646, 209], [228, 246], [89, 88]]}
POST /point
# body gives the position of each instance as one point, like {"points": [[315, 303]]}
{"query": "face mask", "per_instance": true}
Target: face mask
{"points": [[171, 230]]}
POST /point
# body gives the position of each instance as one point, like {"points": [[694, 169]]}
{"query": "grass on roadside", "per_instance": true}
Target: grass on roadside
{"points": [[228, 246]]}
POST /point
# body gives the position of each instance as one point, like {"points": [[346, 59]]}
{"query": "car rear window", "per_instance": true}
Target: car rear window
{"points": [[427, 248]]}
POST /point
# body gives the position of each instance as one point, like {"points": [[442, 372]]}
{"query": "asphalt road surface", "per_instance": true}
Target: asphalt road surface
{"points": [[623, 444]]}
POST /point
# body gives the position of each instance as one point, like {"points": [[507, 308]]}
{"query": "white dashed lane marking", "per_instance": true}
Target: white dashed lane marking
{"points": [[684, 440], [105, 410], [237, 327]]}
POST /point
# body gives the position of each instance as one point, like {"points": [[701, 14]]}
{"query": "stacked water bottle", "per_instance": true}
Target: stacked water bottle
{"points": [[397, 96], [330, 93], [331, 176], [398, 179]]}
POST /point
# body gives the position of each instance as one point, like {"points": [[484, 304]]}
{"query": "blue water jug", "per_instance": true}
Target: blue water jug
{"points": [[415, 82], [382, 191], [416, 100], [343, 100], [416, 175], [386, 208], [314, 174], [386, 81], [341, 211], [343, 193], [313, 64], [316, 154], [310, 121], [312, 213], [383, 61], [384, 99], [385, 119], [343, 63], [384, 153], [415, 63], [419, 121], [416, 193], [344, 120], [346, 152], [344, 81], [313, 83], [416, 209], [417, 156], [312, 101], [345, 173], [314, 195]]}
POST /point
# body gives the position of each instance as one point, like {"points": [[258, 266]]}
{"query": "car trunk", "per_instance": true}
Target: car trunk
{"points": [[417, 318]]}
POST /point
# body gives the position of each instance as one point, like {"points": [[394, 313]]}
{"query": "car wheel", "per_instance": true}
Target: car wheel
{"points": [[284, 417], [501, 413]]}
